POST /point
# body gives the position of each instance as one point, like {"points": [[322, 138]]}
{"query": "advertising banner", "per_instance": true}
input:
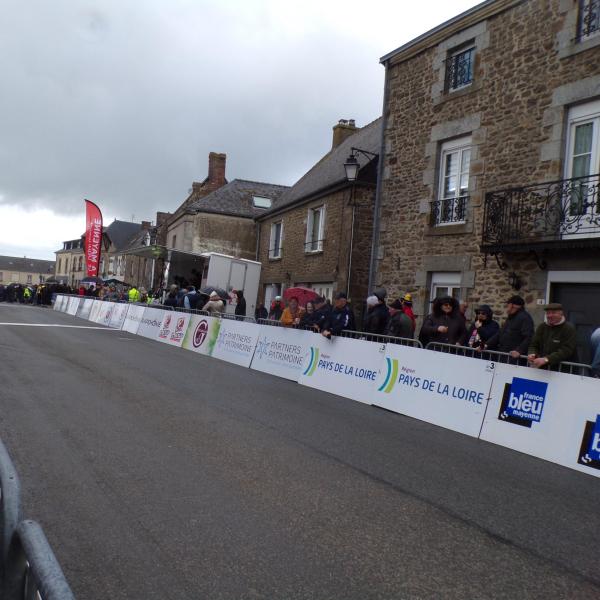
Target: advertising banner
{"points": [[58, 301], [343, 366], [281, 351], [201, 335], [443, 389], [85, 306], [236, 342], [96, 306], [93, 238], [550, 415], [134, 317], [72, 306], [105, 313], [173, 327], [151, 322], [119, 313]]}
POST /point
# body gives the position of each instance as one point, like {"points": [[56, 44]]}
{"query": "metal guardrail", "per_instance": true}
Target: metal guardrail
{"points": [[28, 568], [574, 368], [233, 317], [380, 338], [271, 322]]}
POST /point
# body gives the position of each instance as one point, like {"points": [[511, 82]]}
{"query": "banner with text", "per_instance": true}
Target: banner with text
{"points": [[173, 327], [96, 306], [93, 238], [134, 317], [150, 323], [236, 342], [281, 351], [443, 389], [343, 366], [85, 306], [105, 313], [72, 306], [119, 313], [550, 415], [201, 335], [58, 302]]}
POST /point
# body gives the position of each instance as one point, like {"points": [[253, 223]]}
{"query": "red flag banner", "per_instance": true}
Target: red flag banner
{"points": [[93, 238]]}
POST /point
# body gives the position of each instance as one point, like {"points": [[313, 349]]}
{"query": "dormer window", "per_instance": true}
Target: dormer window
{"points": [[260, 202]]}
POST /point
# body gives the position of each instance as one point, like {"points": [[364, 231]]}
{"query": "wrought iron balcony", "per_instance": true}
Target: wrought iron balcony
{"points": [[589, 19], [449, 211], [564, 213]]}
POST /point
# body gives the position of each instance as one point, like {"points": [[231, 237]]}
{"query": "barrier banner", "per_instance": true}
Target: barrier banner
{"points": [[173, 327], [85, 306], [119, 313], [553, 416], [72, 306], [236, 342], [343, 366], [96, 306], [151, 322], [280, 351], [105, 312], [58, 302], [436, 387], [134, 317], [202, 333]]}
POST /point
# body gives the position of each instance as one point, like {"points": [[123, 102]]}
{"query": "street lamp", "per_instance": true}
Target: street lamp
{"points": [[352, 166]]}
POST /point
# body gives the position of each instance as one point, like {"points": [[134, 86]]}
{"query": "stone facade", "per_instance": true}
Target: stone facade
{"points": [[527, 72]]}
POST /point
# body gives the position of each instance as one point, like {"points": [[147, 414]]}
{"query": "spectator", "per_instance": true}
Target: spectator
{"points": [[483, 328], [554, 341], [133, 294], [81, 290], [276, 309], [340, 318], [240, 307], [214, 304], [463, 306], [322, 311], [260, 312], [515, 334], [408, 309], [309, 316], [192, 298], [171, 299], [399, 323], [291, 314], [378, 315], [595, 342], [445, 324]]}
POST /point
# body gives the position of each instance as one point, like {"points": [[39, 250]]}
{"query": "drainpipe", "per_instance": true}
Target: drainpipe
{"points": [[380, 168], [352, 200], [257, 240]]}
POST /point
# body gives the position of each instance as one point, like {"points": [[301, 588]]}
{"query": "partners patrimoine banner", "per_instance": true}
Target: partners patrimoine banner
{"points": [[93, 238]]}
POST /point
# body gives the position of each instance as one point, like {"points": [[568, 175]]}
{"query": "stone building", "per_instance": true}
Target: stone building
{"points": [[23, 270], [319, 235], [490, 179]]}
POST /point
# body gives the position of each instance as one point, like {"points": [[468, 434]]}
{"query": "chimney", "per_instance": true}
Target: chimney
{"points": [[146, 224], [161, 217], [216, 169], [343, 130]]}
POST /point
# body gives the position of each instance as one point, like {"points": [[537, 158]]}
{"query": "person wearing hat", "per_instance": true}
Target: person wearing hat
{"points": [[340, 318], [408, 309], [483, 328], [378, 313], [322, 312], [444, 325], [214, 304], [276, 309], [516, 332], [399, 324], [554, 341]]}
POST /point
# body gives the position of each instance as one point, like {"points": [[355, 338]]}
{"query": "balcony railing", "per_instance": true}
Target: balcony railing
{"points": [[449, 211], [589, 19], [566, 211]]}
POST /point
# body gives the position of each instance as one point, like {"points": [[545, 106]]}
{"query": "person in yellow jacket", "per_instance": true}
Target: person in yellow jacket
{"points": [[134, 295]]}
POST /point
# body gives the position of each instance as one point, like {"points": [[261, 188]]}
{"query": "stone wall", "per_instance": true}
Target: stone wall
{"points": [[525, 78], [235, 236]]}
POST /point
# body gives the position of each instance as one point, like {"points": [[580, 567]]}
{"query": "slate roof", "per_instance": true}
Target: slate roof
{"points": [[121, 232], [235, 198], [329, 171], [25, 265]]}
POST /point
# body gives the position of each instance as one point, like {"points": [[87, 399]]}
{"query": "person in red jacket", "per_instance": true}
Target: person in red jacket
{"points": [[407, 309]]}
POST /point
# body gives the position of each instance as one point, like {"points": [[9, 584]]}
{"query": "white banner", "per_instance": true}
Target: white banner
{"points": [[281, 351], [550, 415], [85, 306], [173, 327], [236, 342], [151, 322], [135, 314], [343, 366], [58, 302], [105, 313], [72, 306], [96, 306], [119, 313], [443, 389], [201, 335]]}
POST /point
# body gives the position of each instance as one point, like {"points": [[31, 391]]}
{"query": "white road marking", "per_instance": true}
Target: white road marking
{"points": [[59, 325]]}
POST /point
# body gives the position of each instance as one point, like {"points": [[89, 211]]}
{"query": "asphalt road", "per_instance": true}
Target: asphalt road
{"points": [[157, 473]]}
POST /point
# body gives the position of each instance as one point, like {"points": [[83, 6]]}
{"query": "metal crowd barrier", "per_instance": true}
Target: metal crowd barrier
{"points": [[574, 368], [28, 568], [233, 317], [271, 322], [380, 338]]}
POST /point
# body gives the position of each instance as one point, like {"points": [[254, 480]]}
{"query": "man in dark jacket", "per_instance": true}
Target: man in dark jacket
{"points": [[322, 311], [377, 317], [516, 333], [240, 306], [340, 318], [554, 341], [445, 324], [191, 299], [483, 328], [399, 324]]}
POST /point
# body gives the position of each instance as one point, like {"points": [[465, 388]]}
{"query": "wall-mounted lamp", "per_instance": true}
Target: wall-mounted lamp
{"points": [[514, 281], [352, 166]]}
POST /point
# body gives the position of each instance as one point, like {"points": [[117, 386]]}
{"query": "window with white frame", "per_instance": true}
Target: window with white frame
{"points": [[276, 239], [315, 228], [453, 189], [445, 284], [29, 278], [588, 24], [459, 67]]}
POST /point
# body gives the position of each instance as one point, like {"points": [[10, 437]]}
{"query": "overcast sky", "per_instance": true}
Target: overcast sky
{"points": [[121, 101]]}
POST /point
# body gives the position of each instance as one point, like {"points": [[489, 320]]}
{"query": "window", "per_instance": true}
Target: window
{"points": [[445, 284], [174, 242], [1, 276], [42, 278], [459, 68], [324, 289], [588, 23], [314, 229], [275, 240], [272, 290], [80, 266], [453, 194], [260, 202], [58, 270], [66, 265], [29, 278], [15, 277], [111, 265]]}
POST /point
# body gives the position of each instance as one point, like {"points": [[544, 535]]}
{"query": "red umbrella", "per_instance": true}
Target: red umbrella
{"points": [[303, 294]]}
